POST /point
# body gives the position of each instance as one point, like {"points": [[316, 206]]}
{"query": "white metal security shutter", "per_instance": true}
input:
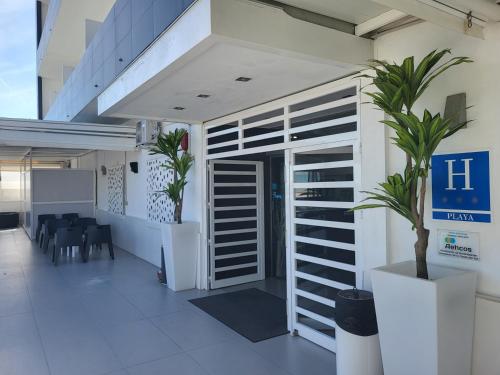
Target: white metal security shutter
{"points": [[236, 233], [323, 243], [323, 114]]}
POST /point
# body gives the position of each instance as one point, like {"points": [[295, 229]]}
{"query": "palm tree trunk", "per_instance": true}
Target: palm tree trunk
{"points": [[178, 212], [421, 252]]}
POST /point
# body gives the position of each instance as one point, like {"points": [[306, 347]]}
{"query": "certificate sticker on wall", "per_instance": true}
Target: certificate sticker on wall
{"points": [[458, 244]]}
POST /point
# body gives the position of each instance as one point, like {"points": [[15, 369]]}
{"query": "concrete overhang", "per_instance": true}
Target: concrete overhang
{"points": [[63, 135], [217, 41]]}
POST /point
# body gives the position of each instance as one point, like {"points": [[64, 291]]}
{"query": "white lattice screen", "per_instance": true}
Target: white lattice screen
{"points": [[160, 209]]}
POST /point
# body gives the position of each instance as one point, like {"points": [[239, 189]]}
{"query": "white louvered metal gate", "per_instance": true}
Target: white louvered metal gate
{"points": [[319, 129], [322, 191], [236, 209]]}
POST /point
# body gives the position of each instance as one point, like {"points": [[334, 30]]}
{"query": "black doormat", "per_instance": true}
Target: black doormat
{"points": [[252, 313]]}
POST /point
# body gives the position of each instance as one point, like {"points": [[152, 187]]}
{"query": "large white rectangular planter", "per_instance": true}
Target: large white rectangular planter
{"points": [[425, 326], [181, 243]]}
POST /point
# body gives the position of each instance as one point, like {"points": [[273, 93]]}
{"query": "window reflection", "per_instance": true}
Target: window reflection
{"points": [[325, 194]]}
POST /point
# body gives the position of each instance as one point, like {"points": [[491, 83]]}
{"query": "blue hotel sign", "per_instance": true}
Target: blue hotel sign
{"points": [[461, 187]]}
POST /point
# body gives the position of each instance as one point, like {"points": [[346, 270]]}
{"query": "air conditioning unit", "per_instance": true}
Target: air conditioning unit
{"points": [[147, 132]]}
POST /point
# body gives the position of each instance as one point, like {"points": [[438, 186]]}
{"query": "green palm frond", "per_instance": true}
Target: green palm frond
{"points": [[400, 85], [169, 145], [394, 194], [420, 138]]}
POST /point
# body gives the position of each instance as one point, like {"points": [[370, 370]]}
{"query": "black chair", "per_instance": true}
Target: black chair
{"points": [[71, 217], [49, 230], [67, 237], [41, 220], [98, 235], [84, 222]]}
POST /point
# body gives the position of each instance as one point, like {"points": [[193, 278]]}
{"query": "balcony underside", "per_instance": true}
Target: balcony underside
{"points": [[217, 41]]}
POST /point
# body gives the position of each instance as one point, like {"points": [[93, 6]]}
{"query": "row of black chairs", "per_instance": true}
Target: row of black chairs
{"points": [[72, 231]]}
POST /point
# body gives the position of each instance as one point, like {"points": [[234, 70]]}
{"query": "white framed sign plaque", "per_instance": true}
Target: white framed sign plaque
{"points": [[458, 243]]}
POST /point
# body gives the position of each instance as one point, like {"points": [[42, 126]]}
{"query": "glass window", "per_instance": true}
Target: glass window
{"points": [[234, 237], [219, 128], [235, 213], [234, 273], [316, 288], [316, 307], [231, 202], [235, 249], [264, 129], [324, 156], [326, 252], [325, 272], [263, 142], [232, 178], [324, 194], [317, 326], [235, 261], [325, 233], [325, 115], [324, 175], [234, 167], [232, 225], [325, 213], [323, 132]]}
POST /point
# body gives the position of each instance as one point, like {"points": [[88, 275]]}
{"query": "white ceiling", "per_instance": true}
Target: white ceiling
{"points": [[214, 73], [354, 11]]}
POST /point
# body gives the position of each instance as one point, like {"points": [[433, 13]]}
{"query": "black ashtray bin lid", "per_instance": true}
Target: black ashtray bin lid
{"points": [[355, 312]]}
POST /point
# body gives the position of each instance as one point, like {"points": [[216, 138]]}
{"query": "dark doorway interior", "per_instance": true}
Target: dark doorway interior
{"points": [[274, 187], [275, 222]]}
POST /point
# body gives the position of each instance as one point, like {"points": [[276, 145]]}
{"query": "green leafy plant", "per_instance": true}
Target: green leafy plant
{"points": [[180, 162], [398, 89]]}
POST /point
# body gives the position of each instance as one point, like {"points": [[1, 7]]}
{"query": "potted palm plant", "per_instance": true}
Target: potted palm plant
{"points": [[180, 239], [425, 312]]}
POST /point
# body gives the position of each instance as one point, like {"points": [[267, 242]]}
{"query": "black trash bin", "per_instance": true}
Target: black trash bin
{"points": [[358, 347]]}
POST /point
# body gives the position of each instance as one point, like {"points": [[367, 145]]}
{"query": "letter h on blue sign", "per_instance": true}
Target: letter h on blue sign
{"points": [[461, 186]]}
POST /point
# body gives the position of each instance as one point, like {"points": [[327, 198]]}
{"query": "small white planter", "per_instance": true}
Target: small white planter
{"points": [[425, 326], [181, 243]]}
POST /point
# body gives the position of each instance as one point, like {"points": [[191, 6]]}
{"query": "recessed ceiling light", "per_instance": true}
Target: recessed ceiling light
{"points": [[203, 96], [243, 79], [179, 108]]}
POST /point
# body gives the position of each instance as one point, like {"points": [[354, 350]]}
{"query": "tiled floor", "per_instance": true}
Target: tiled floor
{"points": [[106, 317]]}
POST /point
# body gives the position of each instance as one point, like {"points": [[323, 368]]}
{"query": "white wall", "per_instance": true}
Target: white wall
{"points": [[59, 191], [481, 82], [132, 231]]}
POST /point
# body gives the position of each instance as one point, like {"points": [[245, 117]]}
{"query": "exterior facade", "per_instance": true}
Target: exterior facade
{"points": [[257, 80]]}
